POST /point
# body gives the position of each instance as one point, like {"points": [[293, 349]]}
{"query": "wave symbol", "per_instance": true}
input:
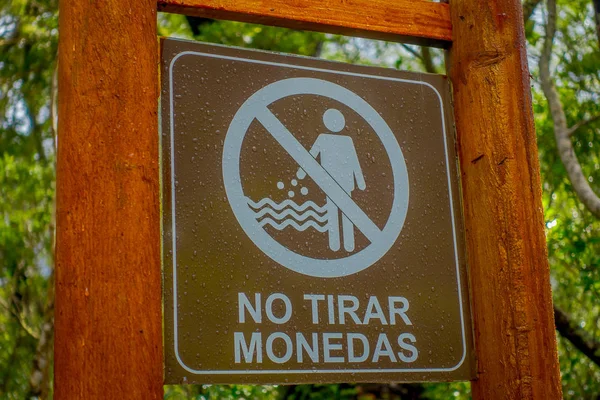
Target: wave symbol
{"points": [[289, 213], [294, 224], [298, 207]]}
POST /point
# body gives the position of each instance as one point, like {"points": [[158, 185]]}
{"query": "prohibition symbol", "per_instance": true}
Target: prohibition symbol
{"points": [[336, 177]]}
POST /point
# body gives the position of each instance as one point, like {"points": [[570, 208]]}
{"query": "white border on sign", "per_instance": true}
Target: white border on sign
{"points": [[174, 230]]}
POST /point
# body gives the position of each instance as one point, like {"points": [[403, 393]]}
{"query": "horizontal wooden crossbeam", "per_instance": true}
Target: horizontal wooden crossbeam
{"points": [[410, 21]]}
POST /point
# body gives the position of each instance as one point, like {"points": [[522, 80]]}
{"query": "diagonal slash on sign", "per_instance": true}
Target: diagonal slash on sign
{"points": [[321, 177]]}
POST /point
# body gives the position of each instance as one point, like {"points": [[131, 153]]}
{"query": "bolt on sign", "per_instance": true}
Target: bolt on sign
{"points": [[312, 222]]}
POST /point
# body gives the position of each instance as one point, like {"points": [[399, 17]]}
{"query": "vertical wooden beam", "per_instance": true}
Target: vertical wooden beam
{"points": [[512, 303], [108, 280]]}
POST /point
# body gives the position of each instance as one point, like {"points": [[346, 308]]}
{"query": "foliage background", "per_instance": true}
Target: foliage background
{"points": [[28, 45]]}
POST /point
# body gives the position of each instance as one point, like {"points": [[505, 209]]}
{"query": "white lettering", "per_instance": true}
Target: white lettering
{"points": [[289, 347], [328, 347], [374, 311], [302, 344], [400, 311], [330, 309], [269, 308], [314, 299], [351, 356], [382, 341], [409, 347], [343, 309], [244, 303], [255, 347]]}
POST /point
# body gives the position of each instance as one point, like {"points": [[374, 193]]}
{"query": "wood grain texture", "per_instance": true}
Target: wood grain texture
{"points": [[411, 21], [108, 280], [509, 274]]}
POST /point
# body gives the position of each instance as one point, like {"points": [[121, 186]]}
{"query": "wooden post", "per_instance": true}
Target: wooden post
{"points": [[108, 313], [510, 282], [108, 280]]}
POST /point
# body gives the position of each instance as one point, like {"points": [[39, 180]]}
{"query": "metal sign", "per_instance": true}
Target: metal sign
{"points": [[312, 226]]}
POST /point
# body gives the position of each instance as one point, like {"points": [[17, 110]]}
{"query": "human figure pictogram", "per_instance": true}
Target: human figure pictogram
{"points": [[337, 155]]}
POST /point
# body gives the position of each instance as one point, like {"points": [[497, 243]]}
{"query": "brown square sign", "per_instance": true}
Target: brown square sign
{"points": [[312, 223]]}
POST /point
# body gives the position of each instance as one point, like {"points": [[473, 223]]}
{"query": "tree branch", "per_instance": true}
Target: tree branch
{"points": [[424, 56], [196, 23], [9, 41], [528, 9], [561, 131], [411, 50], [26, 328], [597, 18], [578, 337], [54, 104], [39, 382], [582, 123], [427, 59]]}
